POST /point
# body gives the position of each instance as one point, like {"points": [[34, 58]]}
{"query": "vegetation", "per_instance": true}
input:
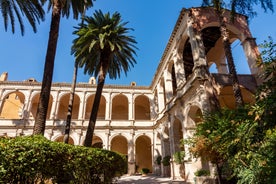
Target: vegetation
{"points": [[166, 160], [103, 47], [59, 8], [244, 139], [179, 157], [145, 170], [158, 160], [34, 159], [31, 9], [202, 172]]}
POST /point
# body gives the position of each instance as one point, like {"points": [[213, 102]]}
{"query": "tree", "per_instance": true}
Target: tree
{"points": [[245, 7], [59, 8], [32, 9], [245, 138], [72, 95], [102, 46]]}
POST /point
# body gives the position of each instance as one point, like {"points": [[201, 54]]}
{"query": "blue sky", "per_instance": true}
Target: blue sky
{"points": [[152, 21]]}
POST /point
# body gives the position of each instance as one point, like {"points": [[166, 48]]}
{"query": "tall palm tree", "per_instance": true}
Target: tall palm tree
{"points": [[59, 8], [242, 6], [32, 9], [102, 46], [70, 105], [72, 95]]}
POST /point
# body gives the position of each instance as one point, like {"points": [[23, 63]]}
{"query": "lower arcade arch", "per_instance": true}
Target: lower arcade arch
{"points": [[13, 101], [97, 142], [60, 139], [119, 144], [143, 153]]}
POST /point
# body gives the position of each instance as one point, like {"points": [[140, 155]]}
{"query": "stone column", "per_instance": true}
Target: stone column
{"points": [[82, 106], [198, 50], [179, 69], [55, 105], [161, 97], [168, 84], [108, 107], [25, 110], [131, 157], [130, 107], [1, 98], [252, 54]]}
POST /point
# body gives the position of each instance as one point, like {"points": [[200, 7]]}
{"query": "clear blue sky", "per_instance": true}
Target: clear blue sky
{"points": [[152, 21]]}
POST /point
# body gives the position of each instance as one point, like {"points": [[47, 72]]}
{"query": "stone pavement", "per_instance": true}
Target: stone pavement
{"points": [[149, 179]]}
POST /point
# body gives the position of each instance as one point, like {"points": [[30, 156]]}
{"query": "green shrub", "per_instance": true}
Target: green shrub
{"points": [[202, 172], [145, 170], [158, 160], [179, 157], [34, 159], [166, 160]]}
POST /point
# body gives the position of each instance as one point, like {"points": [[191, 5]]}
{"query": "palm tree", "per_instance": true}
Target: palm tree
{"points": [[102, 46], [70, 105], [32, 9], [245, 7], [72, 95], [59, 8]]}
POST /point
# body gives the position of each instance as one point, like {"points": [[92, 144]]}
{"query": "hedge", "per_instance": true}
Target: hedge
{"points": [[34, 159]]}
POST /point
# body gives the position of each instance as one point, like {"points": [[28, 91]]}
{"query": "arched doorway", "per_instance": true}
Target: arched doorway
{"points": [[97, 142], [143, 153], [60, 139], [12, 107]]}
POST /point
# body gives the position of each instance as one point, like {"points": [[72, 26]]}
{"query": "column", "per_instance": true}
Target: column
{"points": [[168, 84], [252, 54], [131, 158], [82, 106], [198, 50], [179, 69], [160, 97], [130, 107], [108, 107], [55, 105], [25, 110], [1, 99]]}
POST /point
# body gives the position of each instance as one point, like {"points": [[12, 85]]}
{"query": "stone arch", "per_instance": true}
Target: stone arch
{"points": [[178, 134], [102, 107], [214, 48], [63, 106], [227, 99], [12, 105], [143, 152], [119, 107], [188, 60], [119, 144], [142, 108], [171, 70], [194, 116], [162, 85], [34, 106], [60, 139], [97, 142]]}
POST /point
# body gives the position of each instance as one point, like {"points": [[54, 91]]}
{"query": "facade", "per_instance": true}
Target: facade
{"points": [[145, 122]]}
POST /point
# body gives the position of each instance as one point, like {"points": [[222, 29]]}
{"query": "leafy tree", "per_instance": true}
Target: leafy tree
{"points": [[244, 138], [32, 9], [102, 46], [241, 6], [59, 8]]}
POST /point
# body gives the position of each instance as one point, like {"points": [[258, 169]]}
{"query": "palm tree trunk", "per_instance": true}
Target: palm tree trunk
{"points": [[40, 120], [70, 105], [230, 60], [94, 113]]}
